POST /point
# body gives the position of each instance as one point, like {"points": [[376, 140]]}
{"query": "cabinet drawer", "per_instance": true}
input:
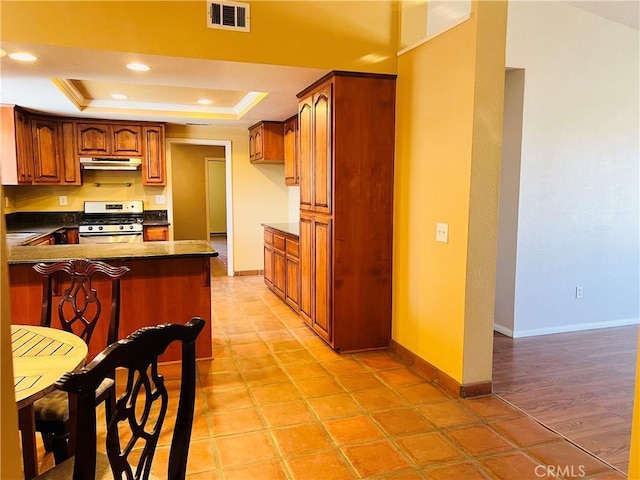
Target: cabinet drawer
{"points": [[292, 247], [268, 237], [278, 241]]}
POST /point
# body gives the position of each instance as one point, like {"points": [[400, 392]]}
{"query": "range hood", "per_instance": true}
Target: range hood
{"points": [[94, 163]]}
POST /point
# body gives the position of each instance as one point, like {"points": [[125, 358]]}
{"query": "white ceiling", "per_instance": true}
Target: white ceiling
{"points": [[174, 79]]}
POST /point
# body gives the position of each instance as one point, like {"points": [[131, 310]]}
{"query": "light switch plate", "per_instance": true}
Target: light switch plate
{"points": [[161, 199], [63, 200], [442, 232]]}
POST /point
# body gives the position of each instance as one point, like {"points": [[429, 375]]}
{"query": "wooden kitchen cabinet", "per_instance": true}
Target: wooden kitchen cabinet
{"points": [[281, 265], [155, 233], [16, 163], [291, 151], [346, 150], [97, 139], [266, 142], [154, 166], [46, 151]]}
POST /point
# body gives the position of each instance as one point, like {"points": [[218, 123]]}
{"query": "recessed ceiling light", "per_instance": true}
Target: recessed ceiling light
{"points": [[205, 101], [23, 57], [119, 96], [138, 67]]}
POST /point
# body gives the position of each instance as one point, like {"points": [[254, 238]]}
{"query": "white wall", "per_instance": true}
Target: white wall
{"points": [[578, 204]]}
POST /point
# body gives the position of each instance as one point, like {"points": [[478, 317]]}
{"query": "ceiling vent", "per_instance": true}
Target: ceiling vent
{"points": [[228, 16]]}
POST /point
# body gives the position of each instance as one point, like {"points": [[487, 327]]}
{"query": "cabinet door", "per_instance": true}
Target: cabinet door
{"points": [[290, 152], [322, 150], [268, 265], [155, 234], [322, 277], [153, 161], [252, 145], [70, 163], [279, 272], [292, 283], [306, 269], [46, 148], [126, 140], [93, 139], [304, 151], [24, 148]]}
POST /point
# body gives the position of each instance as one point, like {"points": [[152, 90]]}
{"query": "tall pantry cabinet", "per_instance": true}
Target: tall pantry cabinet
{"points": [[346, 148]]}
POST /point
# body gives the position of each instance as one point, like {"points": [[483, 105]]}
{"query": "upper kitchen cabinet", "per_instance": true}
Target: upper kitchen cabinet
{"points": [[346, 127], [154, 169], [266, 142], [109, 139], [291, 151], [37, 150]]}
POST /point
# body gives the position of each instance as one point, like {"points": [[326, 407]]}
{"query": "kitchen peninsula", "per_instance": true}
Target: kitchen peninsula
{"points": [[167, 282]]}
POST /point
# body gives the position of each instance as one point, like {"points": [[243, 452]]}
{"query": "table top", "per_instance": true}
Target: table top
{"points": [[41, 356]]}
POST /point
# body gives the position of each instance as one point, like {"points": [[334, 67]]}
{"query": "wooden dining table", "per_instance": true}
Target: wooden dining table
{"points": [[41, 356]]}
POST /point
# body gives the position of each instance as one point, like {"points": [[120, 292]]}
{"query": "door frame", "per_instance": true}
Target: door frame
{"points": [[229, 196]]}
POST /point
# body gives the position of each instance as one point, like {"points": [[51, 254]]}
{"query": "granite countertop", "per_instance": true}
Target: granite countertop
{"points": [[25, 255], [24, 235], [292, 229], [155, 223]]}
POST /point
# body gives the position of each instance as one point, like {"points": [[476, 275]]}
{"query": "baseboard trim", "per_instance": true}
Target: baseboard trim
{"points": [[247, 273], [503, 330], [573, 328], [432, 373]]}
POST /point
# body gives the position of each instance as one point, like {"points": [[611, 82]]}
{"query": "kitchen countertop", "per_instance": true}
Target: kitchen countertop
{"points": [[288, 228], [25, 255], [26, 234]]}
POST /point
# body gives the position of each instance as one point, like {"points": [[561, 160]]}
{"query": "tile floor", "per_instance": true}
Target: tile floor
{"points": [[277, 403]]}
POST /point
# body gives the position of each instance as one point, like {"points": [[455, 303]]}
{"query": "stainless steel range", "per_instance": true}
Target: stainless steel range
{"points": [[111, 222]]}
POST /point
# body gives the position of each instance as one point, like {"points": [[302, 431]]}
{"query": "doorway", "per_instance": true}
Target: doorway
{"points": [[188, 193]]}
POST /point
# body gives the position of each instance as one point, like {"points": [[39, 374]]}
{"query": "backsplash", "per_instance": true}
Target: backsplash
{"points": [[28, 219]]}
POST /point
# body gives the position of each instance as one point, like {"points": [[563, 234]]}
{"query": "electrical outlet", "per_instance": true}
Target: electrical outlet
{"points": [[578, 292], [63, 200], [442, 232], [161, 199]]}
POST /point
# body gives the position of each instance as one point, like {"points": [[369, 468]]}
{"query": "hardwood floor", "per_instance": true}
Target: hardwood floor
{"points": [[580, 384]]}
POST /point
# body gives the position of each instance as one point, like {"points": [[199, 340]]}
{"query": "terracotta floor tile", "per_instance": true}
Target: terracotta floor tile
{"points": [[239, 328], [525, 431], [219, 365], [420, 393], [276, 393], [405, 475], [240, 338], [207, 475], [375, 458], [324, 353], [295, 356], [480, 440], [311, 340], [399, 376], [236, 421], [381, 362], [264, 376], [491, 408], [447, 414], [462, 471], [515, 466], [343, 366], [430, 448], [272, 336], [378, 399], [269, 470], [259, 361], [285, 345], [305, 371], [245, 449], [285, 414], [402, 422], [610, 476], [564, 454], [232, 399], [201, 458], [220, 381], [250, 349], [359, 381], [353, 430], [317, 387], [301, 439], [334, 406], [326, 465]]}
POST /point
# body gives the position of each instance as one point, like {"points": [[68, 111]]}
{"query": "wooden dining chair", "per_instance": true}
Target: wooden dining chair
{"points": [[78, 311], [140, 412]]}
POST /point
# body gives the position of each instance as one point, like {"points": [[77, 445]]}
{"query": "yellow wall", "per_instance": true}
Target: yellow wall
{"points": [[217, 197], [334, 35], [112, 187], [443, 292], [10, 466], [634, 454]]}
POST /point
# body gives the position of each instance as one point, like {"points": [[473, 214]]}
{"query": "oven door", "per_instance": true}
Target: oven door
{"points": [[93, 238]]}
